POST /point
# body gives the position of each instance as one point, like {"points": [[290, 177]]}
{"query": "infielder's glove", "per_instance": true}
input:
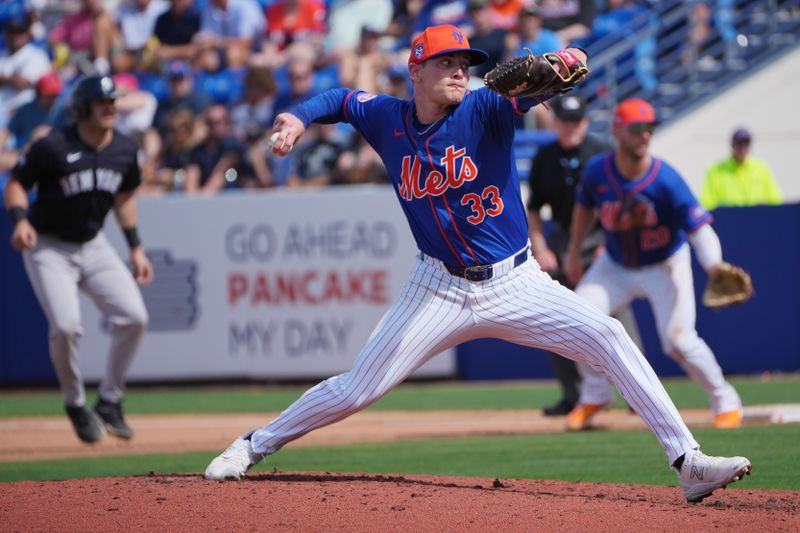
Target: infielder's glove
{"points": [[727, 285], [535, 76]]}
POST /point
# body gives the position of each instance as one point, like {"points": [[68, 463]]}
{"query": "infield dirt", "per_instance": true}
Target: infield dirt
{"points": [[355, 503], [331, 502], [36, 438]]}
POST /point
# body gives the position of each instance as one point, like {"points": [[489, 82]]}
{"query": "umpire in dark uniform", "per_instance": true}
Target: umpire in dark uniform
{"points": [[555, 172], [82, 172]]}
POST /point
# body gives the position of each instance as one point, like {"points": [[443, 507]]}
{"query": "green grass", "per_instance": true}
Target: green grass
{"points": [[601, 456], [623, 457], [408, 397]]}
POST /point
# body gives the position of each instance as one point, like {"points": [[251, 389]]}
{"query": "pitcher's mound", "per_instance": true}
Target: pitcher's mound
{"points": [[354, 502]]}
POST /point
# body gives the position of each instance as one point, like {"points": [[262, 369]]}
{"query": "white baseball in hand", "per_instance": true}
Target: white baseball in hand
{"points": [[274, 139]]}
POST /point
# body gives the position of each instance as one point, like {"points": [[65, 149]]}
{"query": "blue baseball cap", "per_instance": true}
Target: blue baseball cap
{"points": [[178, 68], [741, 135]]}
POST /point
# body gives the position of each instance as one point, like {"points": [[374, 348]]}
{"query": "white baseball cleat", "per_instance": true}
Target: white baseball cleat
{"points": [[701, 474], [237, 459]]}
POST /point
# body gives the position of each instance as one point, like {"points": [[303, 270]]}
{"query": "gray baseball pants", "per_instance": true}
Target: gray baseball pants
{"points": [[57, 270]]}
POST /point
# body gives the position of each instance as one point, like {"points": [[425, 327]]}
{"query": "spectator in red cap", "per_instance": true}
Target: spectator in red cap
{"points": [[31, 121]]}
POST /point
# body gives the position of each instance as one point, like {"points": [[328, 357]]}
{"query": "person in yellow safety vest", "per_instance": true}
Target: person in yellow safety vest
{"points": [[741, 179]]}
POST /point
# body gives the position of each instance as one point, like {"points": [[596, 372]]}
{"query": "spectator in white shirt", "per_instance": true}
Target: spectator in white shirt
{"points": [[22, 63], [136, 20]]}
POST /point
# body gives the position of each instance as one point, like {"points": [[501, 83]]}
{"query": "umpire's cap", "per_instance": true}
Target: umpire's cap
{"points": [[569, 108], [91, 88]]}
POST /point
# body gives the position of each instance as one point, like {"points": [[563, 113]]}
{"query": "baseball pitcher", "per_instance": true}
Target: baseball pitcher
{"points": [[449, 152]]}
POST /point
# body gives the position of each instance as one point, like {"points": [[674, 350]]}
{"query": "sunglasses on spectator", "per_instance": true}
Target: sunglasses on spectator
{"points": [[641, 127]]}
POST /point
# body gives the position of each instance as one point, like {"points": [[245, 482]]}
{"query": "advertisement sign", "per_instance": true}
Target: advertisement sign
{"points": [[274, 285]]}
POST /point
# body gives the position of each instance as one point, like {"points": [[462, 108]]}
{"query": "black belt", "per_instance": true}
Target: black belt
{"points": [[483, 272]]}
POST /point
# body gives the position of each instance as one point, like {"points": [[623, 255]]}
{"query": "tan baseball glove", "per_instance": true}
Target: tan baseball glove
{"points": [[533, 76], [727, 285]]}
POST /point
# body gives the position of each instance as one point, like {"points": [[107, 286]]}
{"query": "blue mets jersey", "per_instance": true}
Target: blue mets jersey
{"points": [[456, 178], [645, 220]]}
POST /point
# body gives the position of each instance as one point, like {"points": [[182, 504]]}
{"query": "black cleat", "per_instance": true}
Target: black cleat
{"points": [[110, 414], [85, 423], [559, 409]]}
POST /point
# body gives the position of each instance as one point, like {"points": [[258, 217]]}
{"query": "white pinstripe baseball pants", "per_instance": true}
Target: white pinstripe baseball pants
{"points": [[436, 311], [669, 288]]}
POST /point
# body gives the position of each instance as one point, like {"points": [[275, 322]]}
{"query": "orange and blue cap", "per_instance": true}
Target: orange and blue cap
{"points": [[440, 40], [633, 111]]}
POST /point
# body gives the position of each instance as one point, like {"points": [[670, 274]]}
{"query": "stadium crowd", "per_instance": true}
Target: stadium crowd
{"points": [[200, 81]]}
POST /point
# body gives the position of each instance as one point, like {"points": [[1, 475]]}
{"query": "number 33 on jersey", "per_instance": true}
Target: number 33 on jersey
{"points": [[462, 208], [459, 168]]}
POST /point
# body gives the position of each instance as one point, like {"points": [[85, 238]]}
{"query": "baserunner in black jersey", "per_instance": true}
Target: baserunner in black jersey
{"points": [[81, 172]]}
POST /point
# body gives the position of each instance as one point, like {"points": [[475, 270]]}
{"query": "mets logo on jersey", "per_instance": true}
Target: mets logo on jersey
{"points": [[635, 212], [638, 214], [458, 169], [419, 51]]}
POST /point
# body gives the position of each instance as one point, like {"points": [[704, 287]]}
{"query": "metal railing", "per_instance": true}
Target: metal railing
{"points": [[652, 58]]}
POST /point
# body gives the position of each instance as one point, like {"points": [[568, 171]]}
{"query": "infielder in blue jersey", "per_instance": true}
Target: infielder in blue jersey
{"points": [[450, 157], [647, 213]]}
